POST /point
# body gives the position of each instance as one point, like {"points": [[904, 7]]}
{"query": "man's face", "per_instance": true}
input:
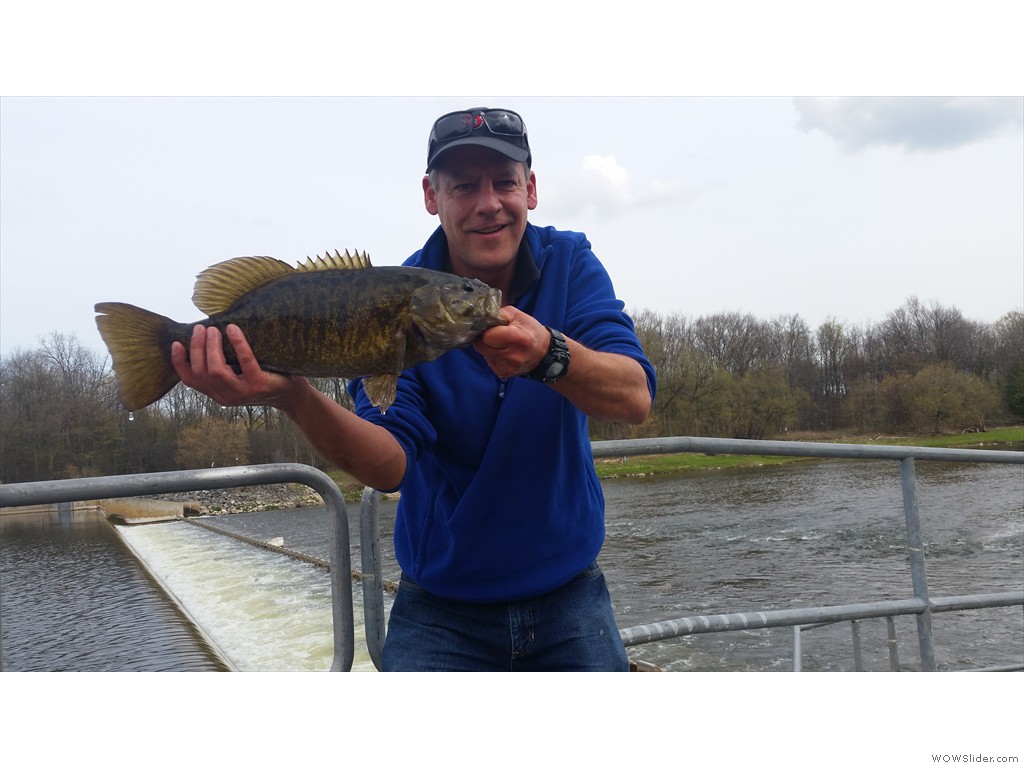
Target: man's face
{"points": [[482, 199]]}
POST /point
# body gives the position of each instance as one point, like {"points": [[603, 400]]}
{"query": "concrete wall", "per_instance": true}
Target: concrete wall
{"points": [[130, 510]]}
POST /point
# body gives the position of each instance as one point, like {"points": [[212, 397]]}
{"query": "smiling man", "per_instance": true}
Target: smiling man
{"points": [[501, 515]]}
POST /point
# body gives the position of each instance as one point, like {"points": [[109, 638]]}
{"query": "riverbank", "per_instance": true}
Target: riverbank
{"points": [[642, 466]]}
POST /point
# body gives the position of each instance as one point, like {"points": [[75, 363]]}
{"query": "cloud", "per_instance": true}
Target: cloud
{"points": [[608, 168], [601, 187], [922, 123]]}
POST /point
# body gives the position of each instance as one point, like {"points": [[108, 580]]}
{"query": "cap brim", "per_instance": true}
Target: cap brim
{"points": [[498, 145]]}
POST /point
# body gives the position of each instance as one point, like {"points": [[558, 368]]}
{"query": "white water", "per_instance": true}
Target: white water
{"points": [[263, 611]]}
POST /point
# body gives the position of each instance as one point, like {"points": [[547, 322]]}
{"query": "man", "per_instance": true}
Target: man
{"points": [[501, 515]]}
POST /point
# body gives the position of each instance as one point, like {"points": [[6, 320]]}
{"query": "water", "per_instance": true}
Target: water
{"points": [[815, 533], [74, 598]]}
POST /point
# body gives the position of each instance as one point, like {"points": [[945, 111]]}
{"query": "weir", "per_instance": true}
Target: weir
{"points": [[921, 605]]}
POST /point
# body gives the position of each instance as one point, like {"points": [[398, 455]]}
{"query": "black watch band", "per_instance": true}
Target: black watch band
{"points": [[555, 363]]}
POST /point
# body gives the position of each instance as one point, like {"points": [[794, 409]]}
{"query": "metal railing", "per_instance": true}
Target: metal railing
{"points": [[920, 606]]}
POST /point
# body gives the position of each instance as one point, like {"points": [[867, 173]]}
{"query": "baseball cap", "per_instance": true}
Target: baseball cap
{"points": [[499, 129]]}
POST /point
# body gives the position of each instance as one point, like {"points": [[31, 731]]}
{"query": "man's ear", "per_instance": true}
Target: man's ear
{"points": [[429, 197], [531, 191]]}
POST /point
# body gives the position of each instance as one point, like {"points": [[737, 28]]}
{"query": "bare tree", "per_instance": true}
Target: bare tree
{"points": [[734, 341], [55, 414]]}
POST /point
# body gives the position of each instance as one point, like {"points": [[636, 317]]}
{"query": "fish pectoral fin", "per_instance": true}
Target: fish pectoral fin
{"points": [[398, 344], [381, 389]]}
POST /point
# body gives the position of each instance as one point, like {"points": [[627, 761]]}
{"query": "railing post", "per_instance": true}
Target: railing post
{"points": [[797, 650], [373, 580], [858, 656], [341, 586], [894, 656], [918, 576]]}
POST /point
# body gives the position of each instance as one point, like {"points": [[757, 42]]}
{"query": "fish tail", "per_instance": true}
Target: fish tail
{"points": [[139, 342]]}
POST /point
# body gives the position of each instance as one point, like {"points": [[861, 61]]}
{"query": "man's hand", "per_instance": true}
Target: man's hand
{"points": [[516, 348], [204, 369], [601, 384]]}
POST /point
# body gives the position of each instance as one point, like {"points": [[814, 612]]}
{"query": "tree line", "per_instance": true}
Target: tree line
{"points": [[924, 368]]}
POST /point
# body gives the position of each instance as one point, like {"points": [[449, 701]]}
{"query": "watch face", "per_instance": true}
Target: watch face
{"points": [[555, 362], [554, 370]]}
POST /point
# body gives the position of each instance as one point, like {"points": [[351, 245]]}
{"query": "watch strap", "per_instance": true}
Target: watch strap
{"points": [[555, 364]]}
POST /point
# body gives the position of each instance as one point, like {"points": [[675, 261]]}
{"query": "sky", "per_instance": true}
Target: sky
{"points": [[830, 208], [702, 155]]}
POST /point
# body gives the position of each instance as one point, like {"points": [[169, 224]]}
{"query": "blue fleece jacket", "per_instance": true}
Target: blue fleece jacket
{"points": [[500, 500]]}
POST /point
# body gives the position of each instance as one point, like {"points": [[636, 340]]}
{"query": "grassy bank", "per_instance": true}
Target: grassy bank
{"points": [[688, 462]]}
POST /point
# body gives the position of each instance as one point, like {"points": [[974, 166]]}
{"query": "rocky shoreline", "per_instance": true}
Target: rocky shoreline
{"points": [[256, 498]]}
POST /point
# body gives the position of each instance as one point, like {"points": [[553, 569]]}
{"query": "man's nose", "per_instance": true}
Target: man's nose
{"points": [[488, 200]]}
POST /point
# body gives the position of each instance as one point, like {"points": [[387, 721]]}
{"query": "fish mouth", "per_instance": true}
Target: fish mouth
{"points": [[492, 306], [488, 307]]}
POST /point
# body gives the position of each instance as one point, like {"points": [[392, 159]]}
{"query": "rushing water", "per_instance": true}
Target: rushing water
{"points": [[815, 533], [264, 611]]}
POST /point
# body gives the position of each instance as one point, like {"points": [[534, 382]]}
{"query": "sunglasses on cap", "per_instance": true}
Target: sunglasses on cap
{"points": [[499, 129], [502, 122]]}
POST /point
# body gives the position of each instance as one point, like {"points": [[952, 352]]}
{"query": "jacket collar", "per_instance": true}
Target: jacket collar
{"points": [[435, 256]]}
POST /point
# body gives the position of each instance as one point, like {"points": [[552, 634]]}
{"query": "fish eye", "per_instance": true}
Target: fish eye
{"points": [[467, 287]]}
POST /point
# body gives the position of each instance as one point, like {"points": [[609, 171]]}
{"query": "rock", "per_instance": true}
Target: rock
{"points": [[256, 498]]}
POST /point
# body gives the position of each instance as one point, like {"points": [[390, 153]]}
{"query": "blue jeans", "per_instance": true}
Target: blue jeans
{"points": [[569, 629]]}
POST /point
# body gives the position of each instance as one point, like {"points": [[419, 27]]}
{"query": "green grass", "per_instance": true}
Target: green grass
{"points": [[999, 436], [633, 466]]}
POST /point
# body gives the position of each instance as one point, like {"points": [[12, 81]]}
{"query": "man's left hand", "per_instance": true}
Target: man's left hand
{"points": [[516, 348]]}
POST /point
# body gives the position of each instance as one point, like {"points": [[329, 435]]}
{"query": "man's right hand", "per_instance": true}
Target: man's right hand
{"points": [[205, 369]]}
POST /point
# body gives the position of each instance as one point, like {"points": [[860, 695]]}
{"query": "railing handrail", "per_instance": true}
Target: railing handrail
{"points": [[826, 614], [657, 445]]}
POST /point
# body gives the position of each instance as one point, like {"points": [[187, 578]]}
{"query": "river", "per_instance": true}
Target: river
{"points": [[803, 534]]}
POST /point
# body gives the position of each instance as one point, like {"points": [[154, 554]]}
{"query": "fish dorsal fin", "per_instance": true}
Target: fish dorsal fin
{"points": [[220, 286], [337, 261]]}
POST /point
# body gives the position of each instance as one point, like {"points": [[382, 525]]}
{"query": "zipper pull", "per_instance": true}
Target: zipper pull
{"points": [[501, 388]]}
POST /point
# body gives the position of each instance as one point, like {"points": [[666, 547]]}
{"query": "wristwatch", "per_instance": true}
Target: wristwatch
{"points": [[555, 363]]}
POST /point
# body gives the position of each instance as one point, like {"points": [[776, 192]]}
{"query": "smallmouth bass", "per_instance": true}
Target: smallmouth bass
{"points": [[333, 316]]}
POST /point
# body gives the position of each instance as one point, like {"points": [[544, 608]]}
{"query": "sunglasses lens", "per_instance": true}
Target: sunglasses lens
{"points": [[453, 125], [505, 123]]}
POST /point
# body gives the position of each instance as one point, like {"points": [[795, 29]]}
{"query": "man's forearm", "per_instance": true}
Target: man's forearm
{"points": [[366, 451], [605, 386]]}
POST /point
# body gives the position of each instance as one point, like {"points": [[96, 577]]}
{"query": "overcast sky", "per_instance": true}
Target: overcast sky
{"points": [[837, 208]]}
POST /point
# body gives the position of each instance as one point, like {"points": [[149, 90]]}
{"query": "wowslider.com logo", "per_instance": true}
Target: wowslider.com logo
{"points": [[973, 759]]}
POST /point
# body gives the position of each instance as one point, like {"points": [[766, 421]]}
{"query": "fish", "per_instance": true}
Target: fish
{"points": [[330, 316]]}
